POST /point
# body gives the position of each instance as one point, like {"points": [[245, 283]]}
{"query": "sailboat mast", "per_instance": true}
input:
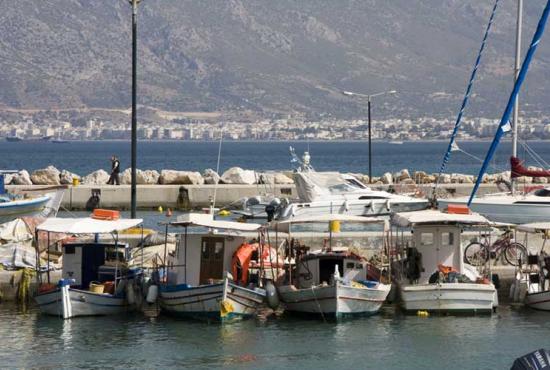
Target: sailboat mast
{"points": [[517, 67]]}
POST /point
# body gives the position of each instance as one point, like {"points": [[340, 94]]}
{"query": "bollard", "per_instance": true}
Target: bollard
{"points": [[93, 201], [183, 202]]}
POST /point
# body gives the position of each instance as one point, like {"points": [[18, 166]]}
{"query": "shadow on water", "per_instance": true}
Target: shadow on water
{"points": [[389, 340]]}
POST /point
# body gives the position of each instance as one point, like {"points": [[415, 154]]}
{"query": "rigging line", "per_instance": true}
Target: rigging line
{"points": [[534, 154], [447, 155], [217, 172], [493, 166], [505, 120]]}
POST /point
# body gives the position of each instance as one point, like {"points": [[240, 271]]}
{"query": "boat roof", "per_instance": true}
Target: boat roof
{"points": [[207, 220], [434, 217], [536, 227], [86, 225]]}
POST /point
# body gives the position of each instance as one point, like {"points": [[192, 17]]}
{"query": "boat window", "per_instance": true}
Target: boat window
{"points": [[447, 238], [350, 265], [426, 239], [69, 249], [359, 266], [542, 192], [205, 251], [372, 197], [356, 183], [218, 250]]}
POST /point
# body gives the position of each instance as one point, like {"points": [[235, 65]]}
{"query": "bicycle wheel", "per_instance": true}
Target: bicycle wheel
{"points": [[514, 253], [476, 254]]}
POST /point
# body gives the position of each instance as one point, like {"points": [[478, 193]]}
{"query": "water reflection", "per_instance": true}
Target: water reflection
{"points": [[389, 340]]}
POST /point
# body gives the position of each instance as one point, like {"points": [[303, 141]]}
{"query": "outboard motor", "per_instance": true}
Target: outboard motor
{"points": [[539, 359], [272, 208]]}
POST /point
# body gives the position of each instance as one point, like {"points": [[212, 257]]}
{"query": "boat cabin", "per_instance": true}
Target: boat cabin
{"points": [[94, 262], [204, 255], [318, 268]]}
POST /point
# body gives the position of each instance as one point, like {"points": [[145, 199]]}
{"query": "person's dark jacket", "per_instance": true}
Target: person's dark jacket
{"points": [[115, 166]]}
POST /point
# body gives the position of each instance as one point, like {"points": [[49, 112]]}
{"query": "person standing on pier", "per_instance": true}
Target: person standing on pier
{"points": [[114, 179]]}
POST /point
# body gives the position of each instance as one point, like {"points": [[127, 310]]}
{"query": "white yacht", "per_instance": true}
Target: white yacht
{"points": [[334, 193], [518, 208]]}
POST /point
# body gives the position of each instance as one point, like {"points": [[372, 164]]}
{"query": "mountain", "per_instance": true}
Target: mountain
{"points": [[268, 57]]}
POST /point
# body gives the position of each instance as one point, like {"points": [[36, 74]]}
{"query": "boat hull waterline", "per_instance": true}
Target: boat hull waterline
{"points": [[68, 302], [449, 298], [337, 301], [221, 302]]}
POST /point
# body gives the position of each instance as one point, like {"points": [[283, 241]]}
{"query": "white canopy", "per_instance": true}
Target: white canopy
{"points": [[86, 225], [433, 217], [536, 227], [207, 220]]}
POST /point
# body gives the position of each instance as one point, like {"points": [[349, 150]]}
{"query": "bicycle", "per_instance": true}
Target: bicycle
{"points": [[478, 253]]}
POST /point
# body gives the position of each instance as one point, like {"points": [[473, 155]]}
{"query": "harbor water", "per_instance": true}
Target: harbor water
{"points": [[389, 340], [85, 157]]}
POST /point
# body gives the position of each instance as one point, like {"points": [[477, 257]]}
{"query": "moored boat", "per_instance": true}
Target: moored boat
{"points": [[430, 271], [333, 282], [214, 276], [95, 280], [532, 283]]}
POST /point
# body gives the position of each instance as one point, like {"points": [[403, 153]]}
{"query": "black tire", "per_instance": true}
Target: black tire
{"points": [[514, 253], [476, 254]]}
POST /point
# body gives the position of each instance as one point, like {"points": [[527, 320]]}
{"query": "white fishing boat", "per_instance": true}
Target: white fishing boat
{"points": [[214, 275], [532, 283], [323, 193], [94, 280], [332, 282], [431, 274]]}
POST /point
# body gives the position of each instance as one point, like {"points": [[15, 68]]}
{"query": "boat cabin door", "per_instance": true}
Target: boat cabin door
{"points": [[438, 245], [212, 252]]}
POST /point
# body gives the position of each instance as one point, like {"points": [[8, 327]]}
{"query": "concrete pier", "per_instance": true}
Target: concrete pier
{"points": [[152, 196]]}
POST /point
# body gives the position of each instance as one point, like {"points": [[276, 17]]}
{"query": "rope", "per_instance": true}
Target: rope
{"points": [[447, 155], [505, 120], [540, 161]]}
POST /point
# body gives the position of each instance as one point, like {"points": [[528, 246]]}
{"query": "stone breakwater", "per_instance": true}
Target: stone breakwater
{"points": [[236, 175]]}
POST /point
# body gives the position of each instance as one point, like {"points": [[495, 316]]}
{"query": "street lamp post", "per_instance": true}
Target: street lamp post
{"points": [[368, 97], [133, 204]]}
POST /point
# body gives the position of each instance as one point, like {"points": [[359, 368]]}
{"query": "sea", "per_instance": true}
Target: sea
{"points": [[389, 340], [83, 157]]}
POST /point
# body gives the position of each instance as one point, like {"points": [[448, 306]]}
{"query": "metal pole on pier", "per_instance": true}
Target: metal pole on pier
{"points": [[368, 97], [370, 141], [134, 4], [517, 67]]}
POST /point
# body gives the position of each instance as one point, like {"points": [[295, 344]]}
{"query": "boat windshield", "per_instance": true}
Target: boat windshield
{"points": [[542, 192]]}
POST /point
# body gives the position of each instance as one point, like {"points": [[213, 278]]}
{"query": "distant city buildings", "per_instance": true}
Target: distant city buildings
{"points": [[276, 129]]}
